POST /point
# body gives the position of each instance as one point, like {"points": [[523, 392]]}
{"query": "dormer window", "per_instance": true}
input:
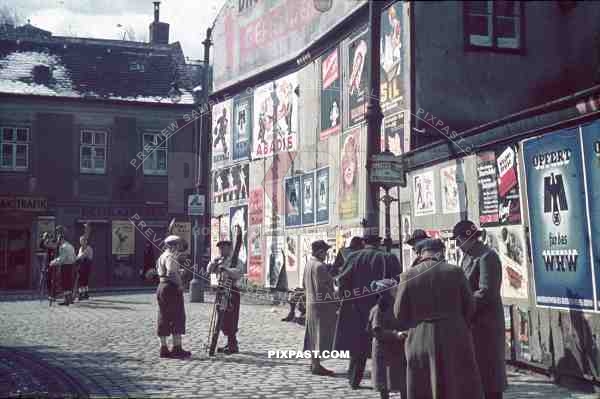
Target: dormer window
{"points": [[136, 66]]}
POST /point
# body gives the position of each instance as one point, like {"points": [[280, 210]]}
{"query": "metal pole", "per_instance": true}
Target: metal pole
{"points": [[204, 156], [373, 115]]}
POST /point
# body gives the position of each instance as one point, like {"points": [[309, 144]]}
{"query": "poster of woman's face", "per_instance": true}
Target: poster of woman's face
{"points": [[348, 204]]}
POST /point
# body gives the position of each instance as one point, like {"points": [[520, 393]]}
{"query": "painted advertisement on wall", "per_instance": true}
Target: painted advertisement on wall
{"points": [[349, 190], [558, 221], [509, 243], [123, 237], [253, 36], [331, 104], [242, 126], [355, 87], [323, 195], [293, 195], [308, 198], [238, 216], [392, 60], [231, 184], [424, 194], [221, 134], [275, 114]]}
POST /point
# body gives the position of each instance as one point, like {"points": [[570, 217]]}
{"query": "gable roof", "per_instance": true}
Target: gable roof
{"points": [[93, 68]]}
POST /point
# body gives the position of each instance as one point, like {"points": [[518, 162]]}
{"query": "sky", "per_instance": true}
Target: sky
{"points": [[188, 19]]}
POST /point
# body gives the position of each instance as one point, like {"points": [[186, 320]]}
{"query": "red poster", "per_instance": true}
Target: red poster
{"points": [[256, 248], [507, 171], [255, 206]]}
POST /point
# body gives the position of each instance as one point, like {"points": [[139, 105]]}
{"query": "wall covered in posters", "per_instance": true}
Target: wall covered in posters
{"points": [[349, 173], [558, 221], [238, 216], [275, 117], [242, 126], [331, 89], [123, 237], [231, 184], [323, 195], [293, 203], [356, 77], [308, 198], [221, 134]]}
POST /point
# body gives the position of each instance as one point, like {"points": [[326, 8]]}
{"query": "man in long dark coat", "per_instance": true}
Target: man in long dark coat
{"points": [[435, 303], [483, 269], [361, 269]]}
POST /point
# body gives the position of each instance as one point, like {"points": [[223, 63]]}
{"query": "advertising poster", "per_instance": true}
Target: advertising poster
{"points": [[424, 194], [453, 253], [231, 184], [488, 189], [509, 243], [123, 237], [215, 237], [323, 195], [275, 250], [239, 217], [331, 105], [508, 333], [184, 230], [558, 221], [523, 328], [255, 206], [355, 88], [406, 249], [291, 261], [221, 135], [293, 197], [255, 263], [449, 187], [348, 198], [591, 154], [242, 126], [275, 114], [308, 198], [392, 59], [509, 202], [392, 133]]}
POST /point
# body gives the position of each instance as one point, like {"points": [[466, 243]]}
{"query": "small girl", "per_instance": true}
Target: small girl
{"points": [[388, 358]]}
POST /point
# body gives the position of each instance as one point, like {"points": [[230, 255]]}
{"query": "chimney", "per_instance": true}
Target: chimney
{"points": [[159, 31]]}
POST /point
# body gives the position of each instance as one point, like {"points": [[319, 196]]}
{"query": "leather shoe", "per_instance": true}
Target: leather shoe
{"points": [[164, 352], [179, 353], [322, 371]]}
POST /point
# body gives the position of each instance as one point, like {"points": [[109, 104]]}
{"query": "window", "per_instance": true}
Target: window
{"points": [[15, 148], [155, 154], [493, 24], [92, 155]]}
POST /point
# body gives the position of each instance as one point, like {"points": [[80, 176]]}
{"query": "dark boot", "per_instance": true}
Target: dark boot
{"points": [[232, 346], [291, 314], [67, 301], [165, 352], [179, 353]]}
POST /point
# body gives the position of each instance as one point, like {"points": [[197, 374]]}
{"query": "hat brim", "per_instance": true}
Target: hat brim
{"points": [[410, 241]]}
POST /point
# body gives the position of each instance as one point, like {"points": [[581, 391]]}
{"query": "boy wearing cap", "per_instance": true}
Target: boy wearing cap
{"points": [[481, 265], [169, 294], [321, 306]]}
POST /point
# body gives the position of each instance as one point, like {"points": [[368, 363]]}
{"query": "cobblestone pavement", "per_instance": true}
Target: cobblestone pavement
{"points": [[106, 347]]}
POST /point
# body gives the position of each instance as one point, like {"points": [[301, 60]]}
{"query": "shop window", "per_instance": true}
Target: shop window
{"points": [[494, 24], [92, 155], [15, 148], [155, 154]]}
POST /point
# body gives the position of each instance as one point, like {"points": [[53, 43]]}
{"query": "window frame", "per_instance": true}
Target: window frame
{"points": [[162, 145], [93, 170], [15, 143], [494, 47]]}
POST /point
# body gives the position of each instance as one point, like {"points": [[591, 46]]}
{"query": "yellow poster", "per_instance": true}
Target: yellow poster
{"points": [[184, 230], [123, 237]]}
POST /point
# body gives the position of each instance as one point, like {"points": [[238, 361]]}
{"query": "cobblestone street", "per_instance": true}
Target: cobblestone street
{"points": [[107, 347]]}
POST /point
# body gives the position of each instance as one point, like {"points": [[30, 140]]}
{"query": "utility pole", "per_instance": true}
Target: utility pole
{"points": [[204, 157]]}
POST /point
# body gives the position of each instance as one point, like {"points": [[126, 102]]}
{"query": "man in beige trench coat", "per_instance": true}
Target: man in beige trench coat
{"points": [[321, 306]]}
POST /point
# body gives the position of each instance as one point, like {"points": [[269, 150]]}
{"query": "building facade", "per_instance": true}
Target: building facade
{"points": [[93, 131]]}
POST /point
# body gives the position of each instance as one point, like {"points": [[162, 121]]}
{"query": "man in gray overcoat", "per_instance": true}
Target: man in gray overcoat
{"points": [[362, 268], [483, 270], [321, 306], [434, 302]]}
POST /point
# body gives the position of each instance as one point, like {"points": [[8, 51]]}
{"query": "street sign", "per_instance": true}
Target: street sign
{"points": [[387, 170], [196, 205]]}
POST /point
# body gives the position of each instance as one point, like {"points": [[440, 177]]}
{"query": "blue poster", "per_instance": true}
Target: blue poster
{"points": [[558, 221], [323, 195], [293, 196], [591, 155], [308, 198], [242, 126]]}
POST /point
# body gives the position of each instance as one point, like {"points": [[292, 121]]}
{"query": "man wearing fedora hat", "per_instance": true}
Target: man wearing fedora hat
{"points": [[321, 306], [417, 236], [361, 268], [169, 294], [482, 267]]}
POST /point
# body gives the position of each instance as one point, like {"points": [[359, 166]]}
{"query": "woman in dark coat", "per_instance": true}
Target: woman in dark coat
{"points": [[483, 270]]}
